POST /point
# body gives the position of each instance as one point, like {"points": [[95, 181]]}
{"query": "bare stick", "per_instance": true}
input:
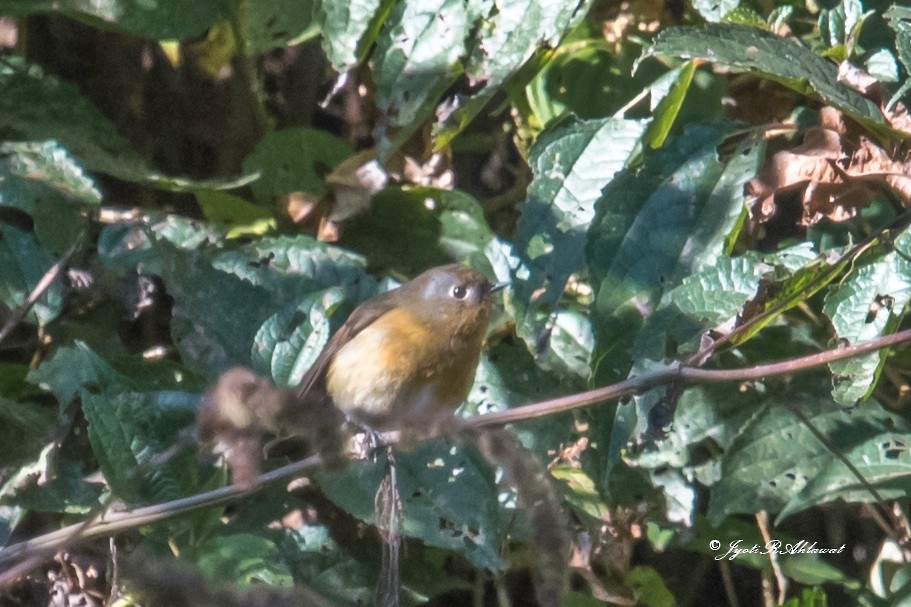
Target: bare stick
{"points": [[43, 285]]}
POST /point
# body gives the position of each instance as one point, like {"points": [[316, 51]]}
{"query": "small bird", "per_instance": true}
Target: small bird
{"points": [[410, 351]]}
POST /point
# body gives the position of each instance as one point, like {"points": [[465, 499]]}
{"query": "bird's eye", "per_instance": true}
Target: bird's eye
{"points": [[459, 292]]}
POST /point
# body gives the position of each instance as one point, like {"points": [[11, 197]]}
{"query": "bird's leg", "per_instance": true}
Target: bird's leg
{"points": [[366, 441]]}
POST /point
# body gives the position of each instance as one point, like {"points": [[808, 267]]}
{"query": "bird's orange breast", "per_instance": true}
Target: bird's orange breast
{"points": [[399, 364]]}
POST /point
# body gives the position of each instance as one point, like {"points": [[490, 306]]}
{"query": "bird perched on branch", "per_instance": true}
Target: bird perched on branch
{"points": [[410, 351]]}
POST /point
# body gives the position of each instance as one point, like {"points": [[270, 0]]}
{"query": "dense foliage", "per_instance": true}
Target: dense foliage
{"points": [[187, 187]]}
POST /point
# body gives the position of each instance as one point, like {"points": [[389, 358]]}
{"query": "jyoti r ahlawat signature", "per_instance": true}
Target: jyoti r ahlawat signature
{"points": [[736, 548]]}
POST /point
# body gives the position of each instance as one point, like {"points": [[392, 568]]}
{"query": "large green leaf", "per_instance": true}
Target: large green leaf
{"points": [[135, 412], [656, 226], [38, 106], [23, 263], [443, 225], [869, 303], [345, 26], [448, 494], [43, 180], [509, 376], [711, 297], [293, 267], [161, 19], [511, 32], [502, 54], [772, 57], [278, 23], [293, 160], [215, 315], [128, 430], [289, 341], [417, 56], [74, 367], [245, 559], [63, 490], [777, 464], [571, 161], [24, 429]]}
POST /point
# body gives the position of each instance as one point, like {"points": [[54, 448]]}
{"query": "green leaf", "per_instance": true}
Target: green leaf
{"points": [[43, 180], [799, 273], [24, 429], [242, 217], [128, 430], [277, 23], [571, 161], [658, 225], [449, 499], [899, 19], [770, 56], [777, 464], [293, 160], [132, 247], [344, 24], [579, 491], [809, 597], [12, 380], [293, 267], [23, 263], [418, 56], [869, 303], [651, 591], [70, 368], [162, 19], [706, 299], [714, 11], [65, 492], [245, 559], [215, 315], [707, 420], [586, 82], [443, 225], [37, 106], [73, 367], [667, 109], [290, 341], [509, 376], [511, 32]]}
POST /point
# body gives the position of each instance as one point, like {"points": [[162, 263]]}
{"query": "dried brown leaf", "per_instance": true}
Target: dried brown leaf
{"points": [[811, 166], [877, 91]]}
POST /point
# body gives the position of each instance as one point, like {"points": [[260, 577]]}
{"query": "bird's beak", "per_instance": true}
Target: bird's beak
{"points": [[498, 287]]}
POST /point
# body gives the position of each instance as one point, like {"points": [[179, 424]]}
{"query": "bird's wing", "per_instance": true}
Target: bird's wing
{"points": [[359, 320]]}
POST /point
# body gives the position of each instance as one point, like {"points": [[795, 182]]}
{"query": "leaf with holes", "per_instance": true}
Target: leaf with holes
{"points": [[449, 499], [869, 303], [571, 161], [776, 462]]}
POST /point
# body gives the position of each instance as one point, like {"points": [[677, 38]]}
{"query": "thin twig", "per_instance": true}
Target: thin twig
{"points": [[855, 251], [43, 285], [762, 520], [679, 373], [120, 521], [834, 450]]}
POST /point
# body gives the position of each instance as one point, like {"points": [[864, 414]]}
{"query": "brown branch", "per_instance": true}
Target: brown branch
{"points": [[120, 521], [687, 375]]}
